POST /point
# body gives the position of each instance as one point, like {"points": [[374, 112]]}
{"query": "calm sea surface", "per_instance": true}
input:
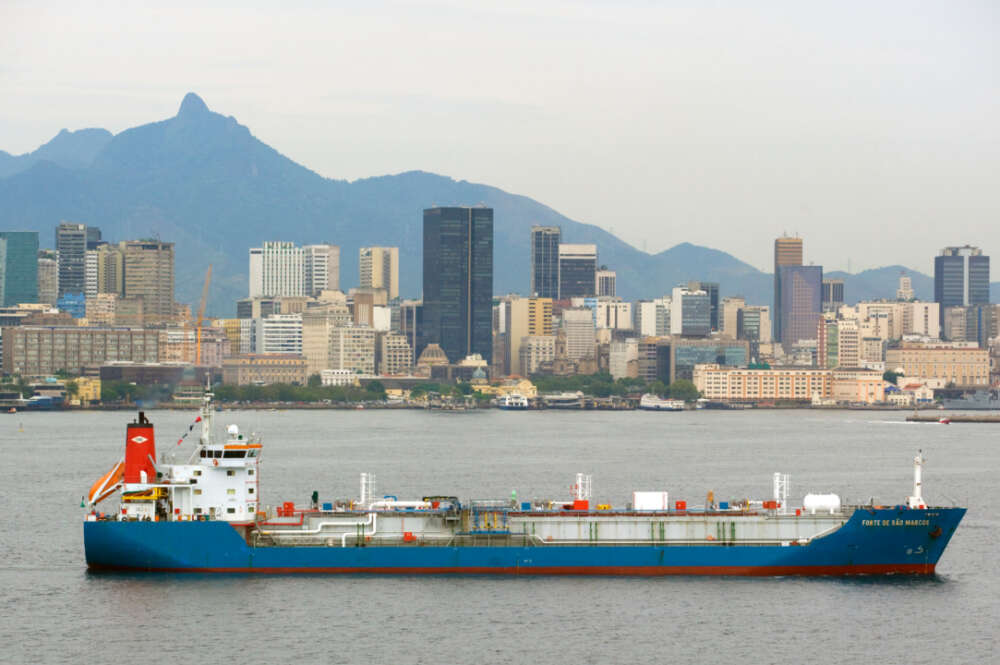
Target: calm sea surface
{"points": [[53, 610]]}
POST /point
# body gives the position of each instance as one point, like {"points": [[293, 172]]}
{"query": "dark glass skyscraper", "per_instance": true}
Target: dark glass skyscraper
{"points": [[961, 278], [712, 289], [72, 242], [833, 294], [545, 261], [18, 267], [577, 271], [787, 252], [458, 281], [801, 303]]}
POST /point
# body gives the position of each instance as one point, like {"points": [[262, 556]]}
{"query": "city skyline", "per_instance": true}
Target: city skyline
{"points": [[784, 150]]}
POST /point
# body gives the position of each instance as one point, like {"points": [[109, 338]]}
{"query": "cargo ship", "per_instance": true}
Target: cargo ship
{"points": [[203, 514]]}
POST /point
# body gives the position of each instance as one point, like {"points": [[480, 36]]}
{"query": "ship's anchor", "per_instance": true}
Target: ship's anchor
{"points": [[936, 532]]}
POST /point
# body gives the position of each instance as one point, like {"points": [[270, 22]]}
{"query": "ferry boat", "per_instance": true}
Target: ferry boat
{"points": [[651, 402], [203, 514], [513, 402], [564, 400]]}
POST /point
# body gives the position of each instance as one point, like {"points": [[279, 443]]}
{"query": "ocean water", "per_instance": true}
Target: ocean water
{"points": [[53, 610]]}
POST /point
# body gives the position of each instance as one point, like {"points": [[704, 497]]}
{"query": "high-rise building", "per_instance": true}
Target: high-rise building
{"points": [[72, 242], [90, 273], [690, 312], [379, 269], [18, 267], [321, 266], [149, 274], [827, 341], [731, 307], [577, 271], [753, 324], [833, 294], [606, 282], [905, 290], [411, 322], [545, 261], [353, 348], [458, 281], [787, 252], [110, 269], [524, 317], [279, 333], [317, 331], [712, 289], [800, 304], [277, 269], [651, 318], [578, 325], [961, 278], [394, 354], [48, 276]]}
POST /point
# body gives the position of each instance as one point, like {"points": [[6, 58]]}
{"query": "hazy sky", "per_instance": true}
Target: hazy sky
{"points": [[870, 128]]}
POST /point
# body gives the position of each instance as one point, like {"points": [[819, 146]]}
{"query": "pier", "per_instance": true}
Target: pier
{"points": [[953, 417]]}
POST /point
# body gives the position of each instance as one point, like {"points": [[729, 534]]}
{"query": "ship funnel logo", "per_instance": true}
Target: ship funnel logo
{"points": [[139, 439]]}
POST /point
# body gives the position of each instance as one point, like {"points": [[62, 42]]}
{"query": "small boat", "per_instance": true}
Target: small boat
{"points": [[944, 420], [12, 410], [513, 402], [651, 402]]}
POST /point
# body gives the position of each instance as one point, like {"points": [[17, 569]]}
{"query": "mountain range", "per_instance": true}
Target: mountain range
{"points": [[203, 181]]}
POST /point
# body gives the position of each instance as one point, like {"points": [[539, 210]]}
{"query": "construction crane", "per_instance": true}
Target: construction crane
{"points": [[201, 316]]}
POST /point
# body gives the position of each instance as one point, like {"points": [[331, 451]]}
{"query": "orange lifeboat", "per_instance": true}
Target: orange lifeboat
{"points": [[107, 484]]}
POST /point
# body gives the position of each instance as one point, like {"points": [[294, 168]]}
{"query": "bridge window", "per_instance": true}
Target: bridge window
{"points": [[235, 454]]}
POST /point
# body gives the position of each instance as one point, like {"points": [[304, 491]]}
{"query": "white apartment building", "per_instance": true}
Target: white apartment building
{"points": [[395, 354], [353, 348], [535, 350], [612, 314], [578, 324], [321, 266], [623, 359], [651, 318], [90, 261], [605, 283], [277, 269], [279, 333]]}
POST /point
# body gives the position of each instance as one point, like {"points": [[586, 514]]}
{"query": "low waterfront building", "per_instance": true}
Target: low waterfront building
{"points": [[961, 365], [716, 382], [264, 369], [799, 384], [338, 377], [858, 386], [45, 350]]}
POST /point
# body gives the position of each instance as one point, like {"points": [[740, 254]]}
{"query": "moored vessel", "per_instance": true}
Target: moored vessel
{"points": [[651, 402], [203, 513], [513, 402]]}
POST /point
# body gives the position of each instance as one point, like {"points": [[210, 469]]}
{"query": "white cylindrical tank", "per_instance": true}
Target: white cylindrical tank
{"points": [[823, 502]]}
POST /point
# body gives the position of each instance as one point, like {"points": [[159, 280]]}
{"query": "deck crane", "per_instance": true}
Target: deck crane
{"points": [[201, 316]]}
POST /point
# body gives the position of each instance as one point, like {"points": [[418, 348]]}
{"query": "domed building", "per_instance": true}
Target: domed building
{"points": [[433, 356]]}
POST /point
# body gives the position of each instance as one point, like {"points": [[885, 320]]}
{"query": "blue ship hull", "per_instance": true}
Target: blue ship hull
{"points": [[872, 542]]}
